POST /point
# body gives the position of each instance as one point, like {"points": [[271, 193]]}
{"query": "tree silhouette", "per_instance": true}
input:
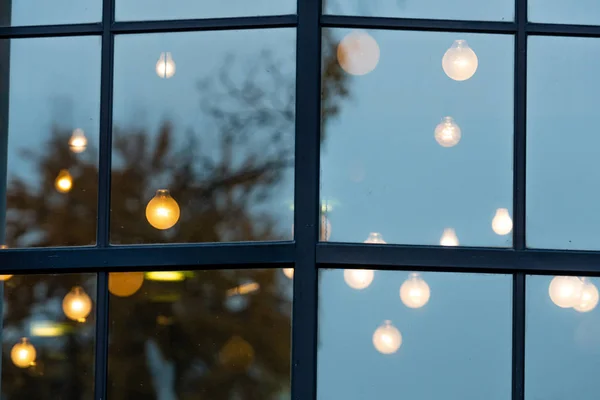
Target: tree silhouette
{"points": [[199, 338]]}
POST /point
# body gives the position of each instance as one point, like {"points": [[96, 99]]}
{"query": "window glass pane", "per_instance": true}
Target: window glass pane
{"points": [[42, 12], [385, 170], [562, 344], [184, 9], [562, 173], [200, 334], [586, 12], [435, 9], [424, 336], [48, 336], [208, 117], [49, 110]]}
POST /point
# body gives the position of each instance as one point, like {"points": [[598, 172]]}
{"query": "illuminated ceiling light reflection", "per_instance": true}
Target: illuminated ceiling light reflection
{"points": [[375, 238], [415, 292], [460, 61], [565, 291], [358, 53], [78, 141], [502, 223], [23, 354], [449, 238], [64, 181], [387, 338], [165, 66], [289, 272], [447, 133], [47, 329], [165, 276], [358, 278], [589, 297], [162, 211]]}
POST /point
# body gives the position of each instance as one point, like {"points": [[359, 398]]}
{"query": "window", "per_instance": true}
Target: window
{"points": [[307, 200]]}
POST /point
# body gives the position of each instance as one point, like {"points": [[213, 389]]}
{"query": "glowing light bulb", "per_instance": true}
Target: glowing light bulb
{"points": [[375, 238], [165, 66], [502, 223], [77, 305], [162, 212], [414, 292], [565, 291], [289, 272], [23, 354], [589, 297], [64, 181], [358, 53], [449, 238], [447, 133], [78, 141], [460, 61], [358, 278], [124, 284], [387, 338]]}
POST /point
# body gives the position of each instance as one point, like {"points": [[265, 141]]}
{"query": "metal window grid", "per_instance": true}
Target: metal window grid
{"points": [[305, 253]]}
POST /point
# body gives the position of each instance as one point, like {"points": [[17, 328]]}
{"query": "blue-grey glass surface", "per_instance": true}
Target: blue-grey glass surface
{"points": [[216, 129], [562, 347], [43, 12], [458, 345], [585, 12], [52, 90], [185, 9], [490, 10], [381, 167], [63, 367], [562, 170]]}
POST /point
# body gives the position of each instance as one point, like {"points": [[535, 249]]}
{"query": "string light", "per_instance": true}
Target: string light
{"points": [[162, 212], [77, 305]]}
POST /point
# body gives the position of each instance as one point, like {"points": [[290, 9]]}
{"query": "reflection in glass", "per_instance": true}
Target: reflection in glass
{"points": [[51, 184], [378, 156], [165, 66], [460, 61], [186, 9], [47, 355], [41, 12], [218, 135], [220, 334], [415, 292], [562, 346], [461, 341], [497, 10], [358, 53], [562, 143], [502, 223], [589, 297], [125, 284], [449, 238], [359, 278]]}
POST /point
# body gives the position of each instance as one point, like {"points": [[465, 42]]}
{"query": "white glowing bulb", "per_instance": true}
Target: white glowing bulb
{"points": [[289, 272], [165, 66], [460, 61], [565, 291], [502, 223], [358, 53], [387, 338], [449, 238], [375, 238], [589, 297], [415, 292], [78, 141], [447, 133], [358, 278]]}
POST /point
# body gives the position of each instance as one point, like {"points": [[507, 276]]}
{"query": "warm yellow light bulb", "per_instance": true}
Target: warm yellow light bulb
{"points": [[358, 278], [64, 181], [460, 61], [589, 297], [165, 66], [289, 272], [447, 133], [23, 354], [449, 238], [77, 305], [78, 141], [124, 284], [358, 53], [162, 212], [415, 292], [565, 291], [375, 238], [502, 223], [387, 338]]}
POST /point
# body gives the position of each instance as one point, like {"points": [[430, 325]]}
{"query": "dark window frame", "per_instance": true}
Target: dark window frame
{"points": [[305, 253]]}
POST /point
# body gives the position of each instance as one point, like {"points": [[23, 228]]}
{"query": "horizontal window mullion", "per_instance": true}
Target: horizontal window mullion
{"points": [[16, 32], [466, 259], [140, 258]]}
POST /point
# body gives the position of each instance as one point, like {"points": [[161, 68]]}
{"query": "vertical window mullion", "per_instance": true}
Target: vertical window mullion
{"points": [[308, 121]]}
